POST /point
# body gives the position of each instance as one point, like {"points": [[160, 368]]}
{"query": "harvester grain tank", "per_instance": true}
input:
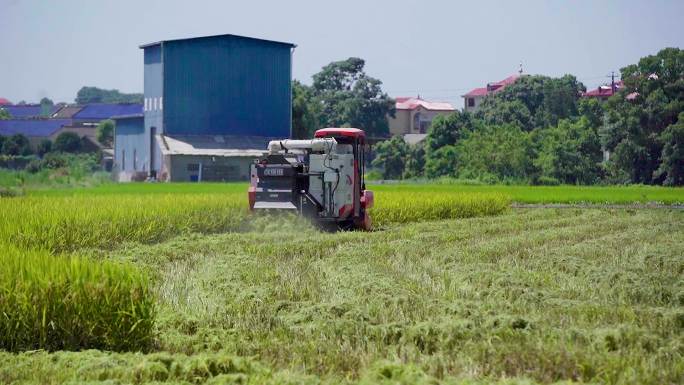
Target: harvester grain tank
{"points": [[321, 178]]}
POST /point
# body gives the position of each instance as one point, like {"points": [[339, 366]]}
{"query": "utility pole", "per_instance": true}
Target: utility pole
{"points": [[612, 81]]}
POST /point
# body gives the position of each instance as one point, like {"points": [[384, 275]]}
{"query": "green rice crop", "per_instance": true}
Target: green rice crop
{"points": [[403, 207], [70, 223], [67, 302], [519, 194]]}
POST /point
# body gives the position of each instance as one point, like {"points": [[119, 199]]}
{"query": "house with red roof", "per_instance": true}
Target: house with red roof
{"points": [[474, 98], [605, 91], [414, 115]]}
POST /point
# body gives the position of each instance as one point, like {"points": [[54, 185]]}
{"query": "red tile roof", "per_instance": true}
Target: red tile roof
{"points": [[603, 91], [409, 103], [493, 87], [4, 102]]}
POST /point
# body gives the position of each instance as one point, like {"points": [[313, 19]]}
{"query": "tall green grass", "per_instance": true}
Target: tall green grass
{"points": [[68, 302]]}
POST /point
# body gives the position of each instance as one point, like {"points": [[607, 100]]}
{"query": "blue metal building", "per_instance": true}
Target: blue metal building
{"points": [[223, 87]]}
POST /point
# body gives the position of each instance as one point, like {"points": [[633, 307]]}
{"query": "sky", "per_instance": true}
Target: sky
{"points": [[436, 49]]}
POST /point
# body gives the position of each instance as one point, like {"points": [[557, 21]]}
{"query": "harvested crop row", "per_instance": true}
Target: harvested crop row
{"points": [[59, 302]]}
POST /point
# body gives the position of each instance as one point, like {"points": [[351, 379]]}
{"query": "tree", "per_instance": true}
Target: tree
{"points": [[67, 142], [502, 152], [415, 161], [16, 144], [350, 98], [442, 162], [635, 127], [305, 111], [104, 133], [546, 99], [4, 114], [98, 95], [46, 107], [570, 152], [391, 157], [672, 166], [447, 130], [44, 147]]}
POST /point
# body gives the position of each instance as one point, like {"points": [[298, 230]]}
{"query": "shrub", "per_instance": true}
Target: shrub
{"points": [[71, 303], [67, 142]]}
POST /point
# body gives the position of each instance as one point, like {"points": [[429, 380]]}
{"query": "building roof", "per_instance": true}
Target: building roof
{"points": [[32, 127], [4, 101], [102, 111], [414, 138], [66, 112], [215, 36], [603, 91], [493, 87], [27, 111], [213, 145], [409, 103]]}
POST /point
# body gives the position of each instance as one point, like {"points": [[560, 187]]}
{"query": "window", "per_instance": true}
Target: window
{"points": [[123, 160], [135, 160], [193, 167], [471, 102], [160, 103], [154, 104]]}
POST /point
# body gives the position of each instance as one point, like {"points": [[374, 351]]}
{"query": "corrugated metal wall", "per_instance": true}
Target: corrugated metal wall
{"points": [[226, 85], [129, 145], [153, 101]]}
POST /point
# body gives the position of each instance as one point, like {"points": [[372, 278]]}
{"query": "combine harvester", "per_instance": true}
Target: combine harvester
{"points": [[320, 178]]}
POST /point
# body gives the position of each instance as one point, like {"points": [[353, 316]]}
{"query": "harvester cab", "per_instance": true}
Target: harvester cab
{"points": [[321, 178]]}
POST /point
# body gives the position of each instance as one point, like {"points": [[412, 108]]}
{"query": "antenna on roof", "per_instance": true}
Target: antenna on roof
{"points": [[520, 71]]}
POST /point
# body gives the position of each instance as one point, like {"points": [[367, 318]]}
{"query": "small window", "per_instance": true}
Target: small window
{"points": [[194, 167], [160, 103], [154, 104], [135, 160], [471, 102], [123, 160]]}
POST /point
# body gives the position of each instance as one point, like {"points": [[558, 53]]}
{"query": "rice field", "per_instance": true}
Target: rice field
{"points": [[180, 284], [517, 194]]}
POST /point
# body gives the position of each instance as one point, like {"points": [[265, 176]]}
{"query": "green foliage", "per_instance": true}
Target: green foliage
{"points": [[570, 153], [672, 166], [347, 97], [104, 133], [67, 142], [16, 144], [533, 102], [46, 107], [44, 147], [504, 152], [390, 157], [305, 111], [442, 162], [446, 130], [4, 114], [72, 303], [97, 95], [634, 132], [415, 161]]}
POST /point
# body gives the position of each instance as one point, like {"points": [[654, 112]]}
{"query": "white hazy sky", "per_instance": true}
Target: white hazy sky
{"points": [[439, 49]]}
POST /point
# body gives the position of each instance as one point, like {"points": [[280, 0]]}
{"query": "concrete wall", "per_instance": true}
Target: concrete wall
{"points": [[478, 100], [405, 121], [192, 168]]}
